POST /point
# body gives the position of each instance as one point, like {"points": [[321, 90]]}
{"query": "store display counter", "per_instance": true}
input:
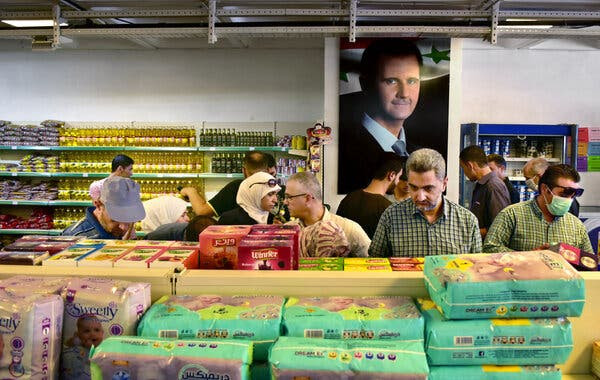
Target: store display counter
{"points": [[586, 329], [160, 279]]}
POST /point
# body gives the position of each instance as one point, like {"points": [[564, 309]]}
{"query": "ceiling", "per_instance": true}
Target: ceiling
{"points": [[227, 23]]}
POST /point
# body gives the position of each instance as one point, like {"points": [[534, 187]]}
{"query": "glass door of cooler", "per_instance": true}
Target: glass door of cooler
{"points": [[519, 143]]}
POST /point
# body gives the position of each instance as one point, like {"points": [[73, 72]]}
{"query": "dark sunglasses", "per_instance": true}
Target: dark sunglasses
{"points": [[270, 183], [570, 191]]}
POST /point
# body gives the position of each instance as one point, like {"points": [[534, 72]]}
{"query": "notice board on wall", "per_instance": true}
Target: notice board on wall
{"points": [[588, 149]]}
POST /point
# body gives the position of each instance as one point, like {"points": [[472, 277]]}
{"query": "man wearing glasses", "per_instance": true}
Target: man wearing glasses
{"points": [[544, 220]]}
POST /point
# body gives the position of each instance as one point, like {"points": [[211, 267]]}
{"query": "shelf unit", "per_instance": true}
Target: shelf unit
{"points": [[216, 149], [29, 231]]}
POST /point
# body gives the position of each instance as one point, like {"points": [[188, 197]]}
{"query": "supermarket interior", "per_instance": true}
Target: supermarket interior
{"points": [[225, 189]]}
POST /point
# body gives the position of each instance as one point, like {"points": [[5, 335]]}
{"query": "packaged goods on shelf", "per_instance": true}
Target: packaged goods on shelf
{"points": [[219, 246], [536, 284], [151, 136], [295, 358], [29, 135], [31, 332], [229, 137], [367, 268], [27, 285], [13, 189], [40, 218], [227, 163], [103, 257], [144, 358], [491, 372], [321, 263], [345, 317], [366, 261], [581, 260], [95, 309], [251, 318], [410, 264], [22, 257], [139, 257], [596, 358], [274, 230], [70, 256], [266, 252], [494, 341], [176, 258]]}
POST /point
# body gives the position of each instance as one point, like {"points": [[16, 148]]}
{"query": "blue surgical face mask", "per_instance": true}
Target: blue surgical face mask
{"points": [[559, 205]]}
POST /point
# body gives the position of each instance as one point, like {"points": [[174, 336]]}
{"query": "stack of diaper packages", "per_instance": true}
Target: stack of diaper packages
{"points": [[95, 309], [500, 316], [350, 337]]}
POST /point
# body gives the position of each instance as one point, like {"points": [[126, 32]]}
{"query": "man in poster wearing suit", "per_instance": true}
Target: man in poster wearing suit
{"points": [[373, 121]]}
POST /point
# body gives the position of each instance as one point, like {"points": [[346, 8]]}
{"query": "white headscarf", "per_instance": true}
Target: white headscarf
{"points": [[162, 210], [251, 192]]}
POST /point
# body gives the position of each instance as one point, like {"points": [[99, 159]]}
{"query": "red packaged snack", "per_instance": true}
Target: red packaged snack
{"points": [[581, 260], [280, 230], [266, 254], [219, 246]]}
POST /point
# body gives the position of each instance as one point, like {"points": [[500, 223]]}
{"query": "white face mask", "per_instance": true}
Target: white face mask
{"points": [[530, 184]]}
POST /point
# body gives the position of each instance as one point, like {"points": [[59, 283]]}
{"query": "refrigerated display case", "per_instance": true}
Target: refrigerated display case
{"points": [[519, 143]]}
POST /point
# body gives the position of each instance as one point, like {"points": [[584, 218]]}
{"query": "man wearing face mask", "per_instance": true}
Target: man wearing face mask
{"points": [[544, 220], [533, 170]]}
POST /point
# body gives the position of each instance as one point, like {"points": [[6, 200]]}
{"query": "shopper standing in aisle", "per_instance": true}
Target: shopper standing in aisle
{"points": [[544, 220], [498, 165], [427, 223], [114, 214], [365, 206], [304, 199], [533, 171], [490, 194], [401, 191], [121, 166]]}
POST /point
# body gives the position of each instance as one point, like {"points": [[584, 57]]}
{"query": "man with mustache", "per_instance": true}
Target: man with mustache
{"points": [[427, 223]]}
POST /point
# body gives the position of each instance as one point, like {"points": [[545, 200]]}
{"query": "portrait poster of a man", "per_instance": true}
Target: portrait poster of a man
{"points": [[393, 98]]}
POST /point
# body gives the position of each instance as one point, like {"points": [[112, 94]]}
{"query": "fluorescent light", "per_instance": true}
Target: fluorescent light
{"points": [[30, 23], [525, 26], [521, 19]]}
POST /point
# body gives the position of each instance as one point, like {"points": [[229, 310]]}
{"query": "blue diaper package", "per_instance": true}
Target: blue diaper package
{"points": [[494, 341], [341, 317], [252, 318], [536, 284], [492, 372], [154, 359], [326, 359]]}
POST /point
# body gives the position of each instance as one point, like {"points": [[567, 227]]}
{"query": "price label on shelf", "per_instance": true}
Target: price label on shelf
{"points": [[13, 147], [14, 203], [84, 175], [229, 175], [283, 149], [160, 175], [251, 148], [212, 148], [14, 174]]}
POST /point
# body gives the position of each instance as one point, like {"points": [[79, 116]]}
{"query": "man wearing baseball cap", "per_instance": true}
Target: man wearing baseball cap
{"points": [[114, 214]]}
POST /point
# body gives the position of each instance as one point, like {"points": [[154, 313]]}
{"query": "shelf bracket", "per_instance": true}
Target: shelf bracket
{"points": [[494, 31], [55, 26], [352, 31], [212, 16]]}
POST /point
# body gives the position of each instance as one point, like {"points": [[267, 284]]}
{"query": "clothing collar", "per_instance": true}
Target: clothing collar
{"points": [[415, 211], [91, 218], [383, 137], [485, 179]]}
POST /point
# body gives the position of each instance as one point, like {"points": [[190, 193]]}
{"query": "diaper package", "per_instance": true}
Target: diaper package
{"points": [[326, 359], [340, 317], [492, 372], [26, 285], [30, 333], [494, 341], [536, 284], [137, 358], [253, 318], [96, 308]]}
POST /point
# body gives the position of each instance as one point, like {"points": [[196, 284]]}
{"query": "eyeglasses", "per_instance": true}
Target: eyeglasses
{"points": [[569, 192], [270, 183], [287, 196]]}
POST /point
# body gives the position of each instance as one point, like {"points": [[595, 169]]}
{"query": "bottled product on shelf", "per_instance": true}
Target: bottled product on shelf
{"points": [[145, 162], [229, 137], [65, 216], [227, 163], [294, 142], [519, 147], [144, 137]]}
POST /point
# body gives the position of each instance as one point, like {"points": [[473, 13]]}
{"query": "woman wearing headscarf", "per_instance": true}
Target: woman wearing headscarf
{"points": [[164, 210], [256, 198]]}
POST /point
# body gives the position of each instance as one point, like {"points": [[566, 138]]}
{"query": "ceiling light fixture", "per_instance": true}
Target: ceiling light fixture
{"points": [[521, 19], [31, 23], [525, 26]]}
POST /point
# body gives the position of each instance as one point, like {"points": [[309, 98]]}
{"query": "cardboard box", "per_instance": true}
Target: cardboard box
{"points": [[280, 230], [219, 246], [581, 260], [70, 256], [596, 359], [367, 268], [266, 254], [22, 257], [366, 261], [104, 257], [138, 257], [176, 258]]}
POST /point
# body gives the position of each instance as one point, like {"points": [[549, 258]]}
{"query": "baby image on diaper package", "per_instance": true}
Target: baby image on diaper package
{"points": [[492, 372], [494, 341], [325, 359], [253, 318], [536, 284], [30, 331], [136, 358], [343, 317], [95, 309]]}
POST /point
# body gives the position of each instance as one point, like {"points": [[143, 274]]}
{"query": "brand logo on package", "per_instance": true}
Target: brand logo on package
{"points": [[225, 242], [104, 314], [8, 325], [196, 371], [264, 254]]}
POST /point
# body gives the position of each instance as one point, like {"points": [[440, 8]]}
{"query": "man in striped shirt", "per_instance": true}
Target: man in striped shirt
{"points": [[544, 220], [427, 223]]}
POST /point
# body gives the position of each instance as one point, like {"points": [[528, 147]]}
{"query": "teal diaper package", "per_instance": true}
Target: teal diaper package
{"points": [[326, 359], [252, 318], [341, 317], [536, 284], [154, 359], [492, 372], [494, 341]]}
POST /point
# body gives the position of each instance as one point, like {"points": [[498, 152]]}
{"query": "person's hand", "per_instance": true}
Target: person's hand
{"points": [[542, 247], [187, 191], [130, 233]]}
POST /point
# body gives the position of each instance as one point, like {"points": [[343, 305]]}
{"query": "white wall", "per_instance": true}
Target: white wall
{"points": [[163, 85]]}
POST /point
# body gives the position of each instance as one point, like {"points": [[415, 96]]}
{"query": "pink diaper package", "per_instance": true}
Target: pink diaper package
{"points": [[25, 285], [30, 331], [96, 308]]}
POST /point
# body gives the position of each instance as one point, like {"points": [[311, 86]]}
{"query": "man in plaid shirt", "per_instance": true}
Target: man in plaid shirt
{"points": [[544, 220], [427, 223]]}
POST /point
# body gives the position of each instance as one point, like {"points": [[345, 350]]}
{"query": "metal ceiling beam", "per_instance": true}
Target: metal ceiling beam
{"points": [[494, 34], [212, 16], [352, 5], [55, 26]]}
